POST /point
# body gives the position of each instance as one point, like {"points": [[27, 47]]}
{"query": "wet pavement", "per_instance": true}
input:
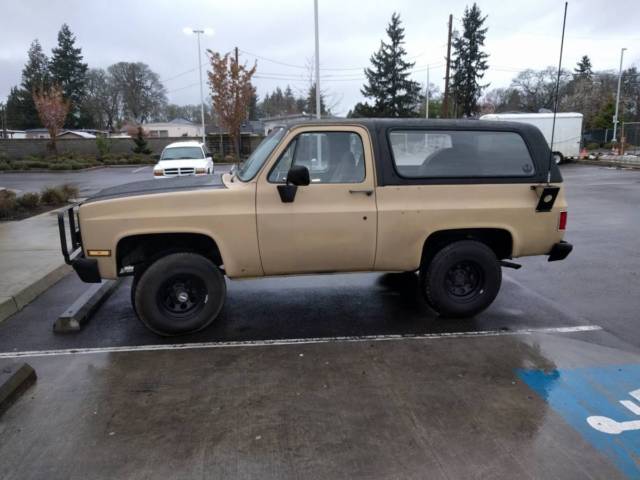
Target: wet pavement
{"points": [[352, 376], [87, 181]]}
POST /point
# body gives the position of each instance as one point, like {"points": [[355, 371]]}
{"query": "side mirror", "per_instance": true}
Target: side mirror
{"points": [[298, 175]]}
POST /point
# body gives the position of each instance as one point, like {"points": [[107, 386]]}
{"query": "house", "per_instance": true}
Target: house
{"points": [[12, 134], [270, 123], [37, 133], [75, 134], [178, 127], [249, 127]]}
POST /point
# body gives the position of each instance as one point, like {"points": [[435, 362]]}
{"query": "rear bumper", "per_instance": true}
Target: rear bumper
{"points": [[560, 251]]}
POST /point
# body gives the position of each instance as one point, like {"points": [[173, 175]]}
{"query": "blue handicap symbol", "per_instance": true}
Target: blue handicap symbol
{"points": [[602, 403]]}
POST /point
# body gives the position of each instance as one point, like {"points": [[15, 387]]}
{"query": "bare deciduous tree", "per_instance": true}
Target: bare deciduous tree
{"points": [[52, 109], [231, 92]]}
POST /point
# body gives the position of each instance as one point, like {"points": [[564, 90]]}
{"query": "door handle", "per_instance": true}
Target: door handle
{"points": [[366, 192]]}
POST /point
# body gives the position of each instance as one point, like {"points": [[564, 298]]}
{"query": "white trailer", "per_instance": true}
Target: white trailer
{"points": [[566, 140]]}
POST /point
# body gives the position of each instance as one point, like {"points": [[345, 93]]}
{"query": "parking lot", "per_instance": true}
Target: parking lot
{"points": [[87, 181], [352, 376]]}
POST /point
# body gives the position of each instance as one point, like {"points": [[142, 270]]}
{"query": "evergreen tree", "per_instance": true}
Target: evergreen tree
{"points": [[310, 103], [68, 71], [583, 68], [388, 83], [254, 111], [21, 110], [140, 141], [469, 62]]}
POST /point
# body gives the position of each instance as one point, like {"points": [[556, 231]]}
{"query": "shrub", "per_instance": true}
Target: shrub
{"points": [[608, 146], [36, 164], [229, 159], [28, 201], [7, 203], [69, 191], [217, 158], [60, 166], [593, 146], [52, 196], [103, 145], [4, 166]]}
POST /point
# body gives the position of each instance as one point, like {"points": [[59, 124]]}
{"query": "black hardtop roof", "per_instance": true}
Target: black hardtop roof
{"points": [[439, 124]]}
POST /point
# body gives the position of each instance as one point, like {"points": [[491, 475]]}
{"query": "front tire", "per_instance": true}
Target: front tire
{"points": [[179, 293], [462, 279]]}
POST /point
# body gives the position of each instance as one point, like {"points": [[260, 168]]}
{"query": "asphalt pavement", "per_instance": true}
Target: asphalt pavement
{"points": [[88, 181], [353, 376]]}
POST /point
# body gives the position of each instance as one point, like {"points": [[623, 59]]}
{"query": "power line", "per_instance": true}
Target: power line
{"points": [[183, 88], [179, 75]]}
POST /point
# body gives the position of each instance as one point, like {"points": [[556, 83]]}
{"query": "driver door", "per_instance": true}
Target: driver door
{"points": [[331, 224]]}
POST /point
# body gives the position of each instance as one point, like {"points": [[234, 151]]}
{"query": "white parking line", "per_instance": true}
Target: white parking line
{"points": [[298, 341], [139, 169]]}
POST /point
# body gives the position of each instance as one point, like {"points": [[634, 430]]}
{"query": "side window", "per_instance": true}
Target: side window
{"points": [[460, 154], [331, 157]]}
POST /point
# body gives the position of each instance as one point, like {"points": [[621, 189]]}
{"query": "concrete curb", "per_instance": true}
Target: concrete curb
{"points": [[15, 303], [79, 313], [608, 163], [14, 380]]}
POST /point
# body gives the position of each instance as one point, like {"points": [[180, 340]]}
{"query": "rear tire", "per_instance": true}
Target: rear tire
{"points": [[558, 158], [179, 293], [462, 279]]}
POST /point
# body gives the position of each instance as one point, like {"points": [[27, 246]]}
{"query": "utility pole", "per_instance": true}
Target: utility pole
{"points": [[318, 106], [615, 117], [445, 102], [4, 120], [426, 110], [198, 33]]}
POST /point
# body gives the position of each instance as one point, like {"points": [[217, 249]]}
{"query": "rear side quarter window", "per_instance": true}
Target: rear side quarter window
{"points": [[460, 154]]}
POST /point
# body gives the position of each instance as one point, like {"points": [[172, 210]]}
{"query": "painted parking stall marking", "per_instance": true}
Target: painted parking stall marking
{"points": [[601, 403], [297, 341]]}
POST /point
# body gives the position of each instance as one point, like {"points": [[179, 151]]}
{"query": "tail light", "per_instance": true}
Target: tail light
{"points": [[562, 225]]}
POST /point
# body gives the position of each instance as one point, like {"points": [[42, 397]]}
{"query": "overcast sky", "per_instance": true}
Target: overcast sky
{"points": [[522, 34]]}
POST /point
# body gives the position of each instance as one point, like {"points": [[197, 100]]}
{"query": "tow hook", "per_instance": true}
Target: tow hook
{"points": [[506, 263]]}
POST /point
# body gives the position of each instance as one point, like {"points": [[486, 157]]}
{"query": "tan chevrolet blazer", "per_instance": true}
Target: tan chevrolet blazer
{"points": [[453, 200]]}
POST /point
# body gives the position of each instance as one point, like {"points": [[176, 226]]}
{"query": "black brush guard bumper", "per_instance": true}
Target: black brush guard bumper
{"points": [[71, 246]]}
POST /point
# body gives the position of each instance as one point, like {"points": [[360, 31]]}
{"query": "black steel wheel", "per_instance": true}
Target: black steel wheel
{"points": [[462, 279], [179, 293]]}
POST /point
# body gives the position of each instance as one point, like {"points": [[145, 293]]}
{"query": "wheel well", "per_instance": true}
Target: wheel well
{"points": [[497, 239], [140, 251]]}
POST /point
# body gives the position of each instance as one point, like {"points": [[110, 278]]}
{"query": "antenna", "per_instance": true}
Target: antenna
{"points": [[555, 102]]}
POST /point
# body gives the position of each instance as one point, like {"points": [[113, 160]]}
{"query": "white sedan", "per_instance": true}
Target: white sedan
{"points": [[182, 159]]}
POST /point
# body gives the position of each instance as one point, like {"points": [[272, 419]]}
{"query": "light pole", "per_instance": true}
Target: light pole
{"points": [[315, 11], [198, 32], [615, 117], [426, 108]]}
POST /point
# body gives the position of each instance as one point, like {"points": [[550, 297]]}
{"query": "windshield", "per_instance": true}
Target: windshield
{"points": [[249, 168], [181, 153]]}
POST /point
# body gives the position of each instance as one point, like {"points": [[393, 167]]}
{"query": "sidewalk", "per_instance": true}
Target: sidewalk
{"points": [[30, 260]]}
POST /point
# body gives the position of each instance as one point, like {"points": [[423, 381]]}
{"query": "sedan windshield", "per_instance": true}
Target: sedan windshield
{"points": [[181, 153], [253, 164]]}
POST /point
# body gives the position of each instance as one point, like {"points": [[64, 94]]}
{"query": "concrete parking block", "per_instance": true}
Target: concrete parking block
{"points": [[14, 380], [7, 307], [74, 317]]}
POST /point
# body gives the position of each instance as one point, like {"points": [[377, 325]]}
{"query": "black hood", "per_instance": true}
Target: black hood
{"points": [[163, 185]]}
